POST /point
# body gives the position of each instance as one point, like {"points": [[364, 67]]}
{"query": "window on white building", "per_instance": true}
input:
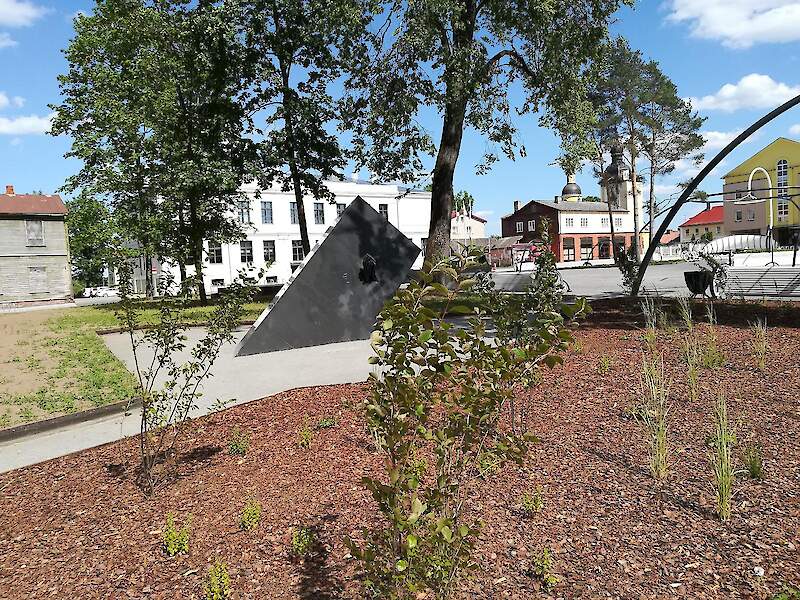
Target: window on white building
{"points": [[569, 249], [719, 229], [751, 214], [520, 226], [269, 251], [384, 210], [783, 210], [217, 282], [617, 221], [244, 211], [340, 209], [294, 217], [569, 222], [34, 233], [215, 253], [532, 225], [319, 213], [266, 212], [246, 251], [297, 251], [603, 221], [584, 221], [738, 216]]}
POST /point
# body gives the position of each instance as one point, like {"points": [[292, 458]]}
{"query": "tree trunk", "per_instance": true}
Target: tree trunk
{"points": [[298, 198], [637, 218], [198, 270], [651, 201], [438, 244], [148, 280]]}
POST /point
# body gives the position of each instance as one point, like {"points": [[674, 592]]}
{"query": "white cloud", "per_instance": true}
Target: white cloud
{"points": [[15, 141], [30, 125], [483, 213], [739, 23], [717, 140], [19, 13], [16, 101], [6, 41], [751, 91], [794, 130]]}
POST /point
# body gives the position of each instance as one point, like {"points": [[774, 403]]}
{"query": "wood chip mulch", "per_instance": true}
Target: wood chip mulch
{"points": [[78, 527]]}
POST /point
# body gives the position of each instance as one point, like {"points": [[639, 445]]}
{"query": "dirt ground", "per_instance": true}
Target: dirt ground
{"points": [[77, 526]]}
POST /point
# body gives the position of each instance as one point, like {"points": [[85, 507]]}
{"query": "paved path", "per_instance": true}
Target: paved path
{"points": [[600, 282], [239, 379]]}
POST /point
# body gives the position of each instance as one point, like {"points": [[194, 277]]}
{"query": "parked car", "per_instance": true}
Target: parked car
{"points": [[105, 291]]}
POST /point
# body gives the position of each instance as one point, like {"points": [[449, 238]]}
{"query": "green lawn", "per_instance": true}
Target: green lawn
{"points": [[57, 363]]}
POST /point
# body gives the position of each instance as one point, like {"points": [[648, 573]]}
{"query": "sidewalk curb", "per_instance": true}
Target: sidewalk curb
{"points": [[19, 432]]}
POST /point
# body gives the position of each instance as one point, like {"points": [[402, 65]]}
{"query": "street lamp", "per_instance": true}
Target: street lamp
{"points": [[751, 198]]}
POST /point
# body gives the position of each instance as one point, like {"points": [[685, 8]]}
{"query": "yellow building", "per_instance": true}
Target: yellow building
{"points": [[781, 159]]}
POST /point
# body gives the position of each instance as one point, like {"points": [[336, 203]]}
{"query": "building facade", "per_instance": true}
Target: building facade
{"points": [[706, 225], [466, 226], [579, 230], [270, 221], [781, 159], [34, 251]]}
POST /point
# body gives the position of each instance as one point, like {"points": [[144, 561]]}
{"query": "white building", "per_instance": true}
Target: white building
{"points": [[466, 226], [270, 222]]}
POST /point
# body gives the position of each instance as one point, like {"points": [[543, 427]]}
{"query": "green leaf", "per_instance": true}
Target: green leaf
{"points": [[447, 534], [411, 540], [401, 565], [387, 324]]}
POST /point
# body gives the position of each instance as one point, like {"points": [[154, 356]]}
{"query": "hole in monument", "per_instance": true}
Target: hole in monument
{"points": [[367, 272]]}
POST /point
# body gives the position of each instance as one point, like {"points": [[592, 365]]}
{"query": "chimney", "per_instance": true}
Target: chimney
{"points": [[10, 190], [516, 204]]}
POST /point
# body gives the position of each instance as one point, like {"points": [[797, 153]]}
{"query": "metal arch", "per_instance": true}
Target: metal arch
{"points": [[654, 240]]}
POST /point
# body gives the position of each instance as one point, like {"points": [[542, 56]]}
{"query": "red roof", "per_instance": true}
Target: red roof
{"points": [[707, 217], [31, 204], [670, 236]]}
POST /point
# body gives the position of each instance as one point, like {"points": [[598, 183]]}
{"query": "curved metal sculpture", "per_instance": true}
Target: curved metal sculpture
{"points": [[654, 240]]}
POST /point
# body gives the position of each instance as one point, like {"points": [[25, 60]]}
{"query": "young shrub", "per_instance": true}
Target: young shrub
{"points": [[711, 313], [722, 441], [326, 423], [604, 365], [542, 569], [753, 460], [166, 405], [304, 437], [653, 413], [692, 356], [712, 356], [685, 312], [218, 582], [441, 391], [532, 502], [649, 311], [303, 540], [176, 541], [251, 515], [239, 443], [759, 342], [577, 347]]}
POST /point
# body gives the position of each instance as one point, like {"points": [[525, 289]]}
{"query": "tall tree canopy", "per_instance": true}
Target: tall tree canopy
{"points": [[153, 102], [462, 57], [91, 234], [299, 49]]}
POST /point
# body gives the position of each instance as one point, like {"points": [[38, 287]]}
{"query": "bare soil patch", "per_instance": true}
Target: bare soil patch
{"points": [[78, 526]]}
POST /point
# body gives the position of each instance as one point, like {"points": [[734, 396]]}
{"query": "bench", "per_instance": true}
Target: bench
{"points": [[763, 281]]}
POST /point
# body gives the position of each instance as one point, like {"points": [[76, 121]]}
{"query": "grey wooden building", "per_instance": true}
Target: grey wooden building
{"points": [[34, 252]]}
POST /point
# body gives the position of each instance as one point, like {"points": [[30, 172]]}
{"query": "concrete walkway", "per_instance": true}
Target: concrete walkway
{"points": [[240, 380]]}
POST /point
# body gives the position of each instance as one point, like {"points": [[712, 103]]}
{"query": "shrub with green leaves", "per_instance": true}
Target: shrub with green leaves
{"points": [[305, 436], [542, 569], [712, 356], [685, 312], [239, 443], [176, 541], [326, 423], [303, 540], [440, 390], [722, 441], [753, 460], [218, 582], [251, 515], [604, 364], [532, 502]]}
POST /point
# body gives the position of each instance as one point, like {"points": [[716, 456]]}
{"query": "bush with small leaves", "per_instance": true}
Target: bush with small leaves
{"points": [[712, 356], [326, 423], [303, 540], [176, 541], [685, 312], [488, 463], [604, 365], [654, 386], [787, 593], [218, 582], [753, 460], [722, 441], [532, 502], [239, 443], [251, 515], [305, 437], [542, 569]]}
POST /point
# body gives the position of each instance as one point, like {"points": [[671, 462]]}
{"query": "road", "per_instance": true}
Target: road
{"points": [[601, 282]]}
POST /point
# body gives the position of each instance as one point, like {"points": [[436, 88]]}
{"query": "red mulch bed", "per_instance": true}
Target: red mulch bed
{"points": [[78, 526]]}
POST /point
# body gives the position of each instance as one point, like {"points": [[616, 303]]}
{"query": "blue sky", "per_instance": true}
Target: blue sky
{"points": [[736, 58]]}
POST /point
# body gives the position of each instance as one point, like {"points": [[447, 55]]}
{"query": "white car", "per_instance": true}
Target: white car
{"points": [[102, 291]]}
